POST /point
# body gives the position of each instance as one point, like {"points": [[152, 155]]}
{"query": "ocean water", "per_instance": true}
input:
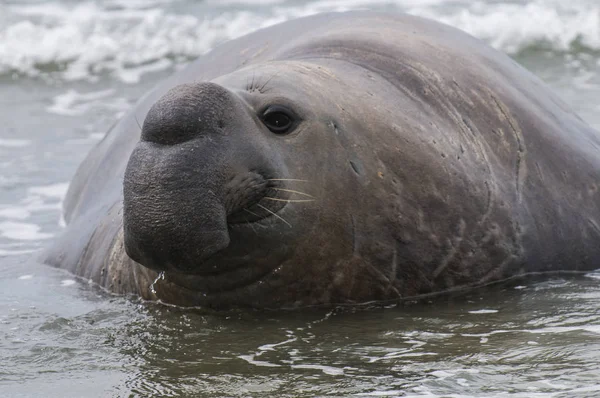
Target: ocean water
{"points": [[69, 69]]}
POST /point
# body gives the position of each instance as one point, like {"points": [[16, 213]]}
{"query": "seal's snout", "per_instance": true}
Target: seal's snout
{"points": [[186, 112], [201, 165], [174, 213]]}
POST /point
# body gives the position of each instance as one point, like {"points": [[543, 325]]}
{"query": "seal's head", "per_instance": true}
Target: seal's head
{"points": [[199, 169], [228, 189], [288, 183]]}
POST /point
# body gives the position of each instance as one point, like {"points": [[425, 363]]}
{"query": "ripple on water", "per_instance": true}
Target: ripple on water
{"points": [[431, 350]]}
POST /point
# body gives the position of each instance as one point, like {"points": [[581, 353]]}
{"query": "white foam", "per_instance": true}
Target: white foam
{"points": [[593, 275], [13, 217], [134, 74], [90, 39], [442, 374], [512, 27], [14, 143], [129, 39], [328, 370], [11, 252], [16, 213], [483, 311], [97, 136], [16, 219], [271, 347], [58, 190], [22, 231], [245, 2], [39, 199], [565, 329], [592, 328], [73, 102], [250, 359], [387, 393]]}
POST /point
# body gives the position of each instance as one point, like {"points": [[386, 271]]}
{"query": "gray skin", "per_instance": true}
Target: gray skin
{"points": [[420, 160]]}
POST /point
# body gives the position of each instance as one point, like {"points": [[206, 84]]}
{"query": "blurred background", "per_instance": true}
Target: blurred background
{"points": [[70, 69]]}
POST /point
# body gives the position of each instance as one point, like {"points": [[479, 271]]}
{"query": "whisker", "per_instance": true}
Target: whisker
{"points": [[137, 121], [274, 214], [267, 82], [292, 191], [289, 200], [251, 212], [249, 223]]}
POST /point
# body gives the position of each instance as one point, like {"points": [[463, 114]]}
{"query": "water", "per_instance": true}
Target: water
{"points": [[69, 69]]}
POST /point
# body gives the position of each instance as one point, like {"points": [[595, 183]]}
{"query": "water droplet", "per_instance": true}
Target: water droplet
{"points": [[161, 276]]}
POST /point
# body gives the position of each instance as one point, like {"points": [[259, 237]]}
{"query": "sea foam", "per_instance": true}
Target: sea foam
{"points": [[129, 39]]}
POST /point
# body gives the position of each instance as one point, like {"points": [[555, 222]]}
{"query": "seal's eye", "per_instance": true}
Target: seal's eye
{"points": [[278, 119]]}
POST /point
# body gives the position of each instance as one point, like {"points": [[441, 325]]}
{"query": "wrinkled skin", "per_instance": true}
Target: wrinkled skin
{"points": [[418, 160]]}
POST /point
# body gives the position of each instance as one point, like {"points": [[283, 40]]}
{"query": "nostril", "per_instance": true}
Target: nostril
{"points": [[186, 112]]}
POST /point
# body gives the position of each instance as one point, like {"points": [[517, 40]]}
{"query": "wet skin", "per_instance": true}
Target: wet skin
{"points": [[341, 158]]}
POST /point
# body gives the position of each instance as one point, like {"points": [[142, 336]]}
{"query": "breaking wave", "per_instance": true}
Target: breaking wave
{"points": [[127, 39]]}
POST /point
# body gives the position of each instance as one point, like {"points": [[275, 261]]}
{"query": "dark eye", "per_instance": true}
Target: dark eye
{"points": [[278, 119]]}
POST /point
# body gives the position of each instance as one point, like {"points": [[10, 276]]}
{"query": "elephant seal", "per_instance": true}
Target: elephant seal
{"points": [[339, 158]]}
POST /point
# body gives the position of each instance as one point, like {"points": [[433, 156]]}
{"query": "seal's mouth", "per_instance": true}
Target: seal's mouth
{"points": [[222, 290], [218, 279]]}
